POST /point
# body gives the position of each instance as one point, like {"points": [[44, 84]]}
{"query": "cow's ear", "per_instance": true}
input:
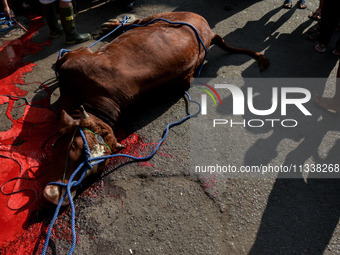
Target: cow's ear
{"points": [[66, 119]]}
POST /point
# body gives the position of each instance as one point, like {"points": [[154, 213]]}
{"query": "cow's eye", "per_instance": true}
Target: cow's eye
{"points": [[55, 144]]}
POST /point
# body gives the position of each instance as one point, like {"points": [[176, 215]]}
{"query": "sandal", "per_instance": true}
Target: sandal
{"points": [[315, 16], [302, 4], [321, 48], [287, 4], [336, 52]]}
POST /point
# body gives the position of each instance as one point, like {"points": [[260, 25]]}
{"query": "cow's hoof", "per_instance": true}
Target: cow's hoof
{"points": [[131, 17], [110, 25], [113, 23], [52, 194]]}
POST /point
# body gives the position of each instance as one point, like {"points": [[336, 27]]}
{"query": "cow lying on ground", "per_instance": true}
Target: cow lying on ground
{"points": [[107, 81]]}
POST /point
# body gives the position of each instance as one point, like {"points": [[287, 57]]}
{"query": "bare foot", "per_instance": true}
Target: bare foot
{"points": [[328, 103]]}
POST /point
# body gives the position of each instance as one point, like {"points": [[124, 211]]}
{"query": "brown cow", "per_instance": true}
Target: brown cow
{"points": [[105, 82]]}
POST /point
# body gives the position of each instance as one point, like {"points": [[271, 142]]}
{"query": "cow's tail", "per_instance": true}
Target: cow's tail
{"points": [[263, 61]]}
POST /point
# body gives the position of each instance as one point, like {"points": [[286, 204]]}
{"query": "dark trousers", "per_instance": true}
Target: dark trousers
{"points": [[330, 17]]}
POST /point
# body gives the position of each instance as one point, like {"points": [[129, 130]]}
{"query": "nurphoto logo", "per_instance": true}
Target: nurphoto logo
{"points": [[262, 128], [288, 96]]}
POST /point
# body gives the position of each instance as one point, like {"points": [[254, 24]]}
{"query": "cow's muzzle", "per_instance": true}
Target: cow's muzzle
{"points": [[53, 193]]}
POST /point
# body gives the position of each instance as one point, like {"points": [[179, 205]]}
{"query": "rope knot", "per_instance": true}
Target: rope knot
{"points": [[87, 157], [88, 165], [125, 20], [87, 154]]}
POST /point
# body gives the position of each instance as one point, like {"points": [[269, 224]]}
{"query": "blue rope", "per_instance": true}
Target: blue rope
{"points": [[61, 52], [4, 21], [86, 164]]}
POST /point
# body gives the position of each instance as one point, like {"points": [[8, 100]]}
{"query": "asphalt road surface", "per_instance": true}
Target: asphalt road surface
{"points": [[159, 207]]}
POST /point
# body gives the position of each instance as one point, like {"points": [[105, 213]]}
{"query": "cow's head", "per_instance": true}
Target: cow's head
{"points": [[69, 150]]}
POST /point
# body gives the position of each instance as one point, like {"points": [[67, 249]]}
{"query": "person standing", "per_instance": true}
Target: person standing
{"points": [[68, 25], [330, 18]]}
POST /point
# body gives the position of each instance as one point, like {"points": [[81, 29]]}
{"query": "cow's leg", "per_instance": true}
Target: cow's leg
{"points": [[262, 59], [114, 23]]}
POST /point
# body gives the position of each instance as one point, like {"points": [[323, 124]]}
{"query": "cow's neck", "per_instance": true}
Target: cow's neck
{"points": [[109, 116]]}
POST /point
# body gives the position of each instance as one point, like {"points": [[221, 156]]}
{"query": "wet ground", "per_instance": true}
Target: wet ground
{"points": [[155, 207]]}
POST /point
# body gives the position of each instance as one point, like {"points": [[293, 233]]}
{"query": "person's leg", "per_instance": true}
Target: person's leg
{"points": [[321, 4], [316, 15], [51, 17], [67, 20], [287, 4], [329, 21], [65, 4], [332, 103], [302, 4]]}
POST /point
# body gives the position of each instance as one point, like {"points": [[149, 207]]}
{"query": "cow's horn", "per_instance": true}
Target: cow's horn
{"points": [[85, 115], [118, 145]]}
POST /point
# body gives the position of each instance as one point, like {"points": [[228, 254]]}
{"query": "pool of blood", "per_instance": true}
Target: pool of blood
{"points": [[18, 145]]}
